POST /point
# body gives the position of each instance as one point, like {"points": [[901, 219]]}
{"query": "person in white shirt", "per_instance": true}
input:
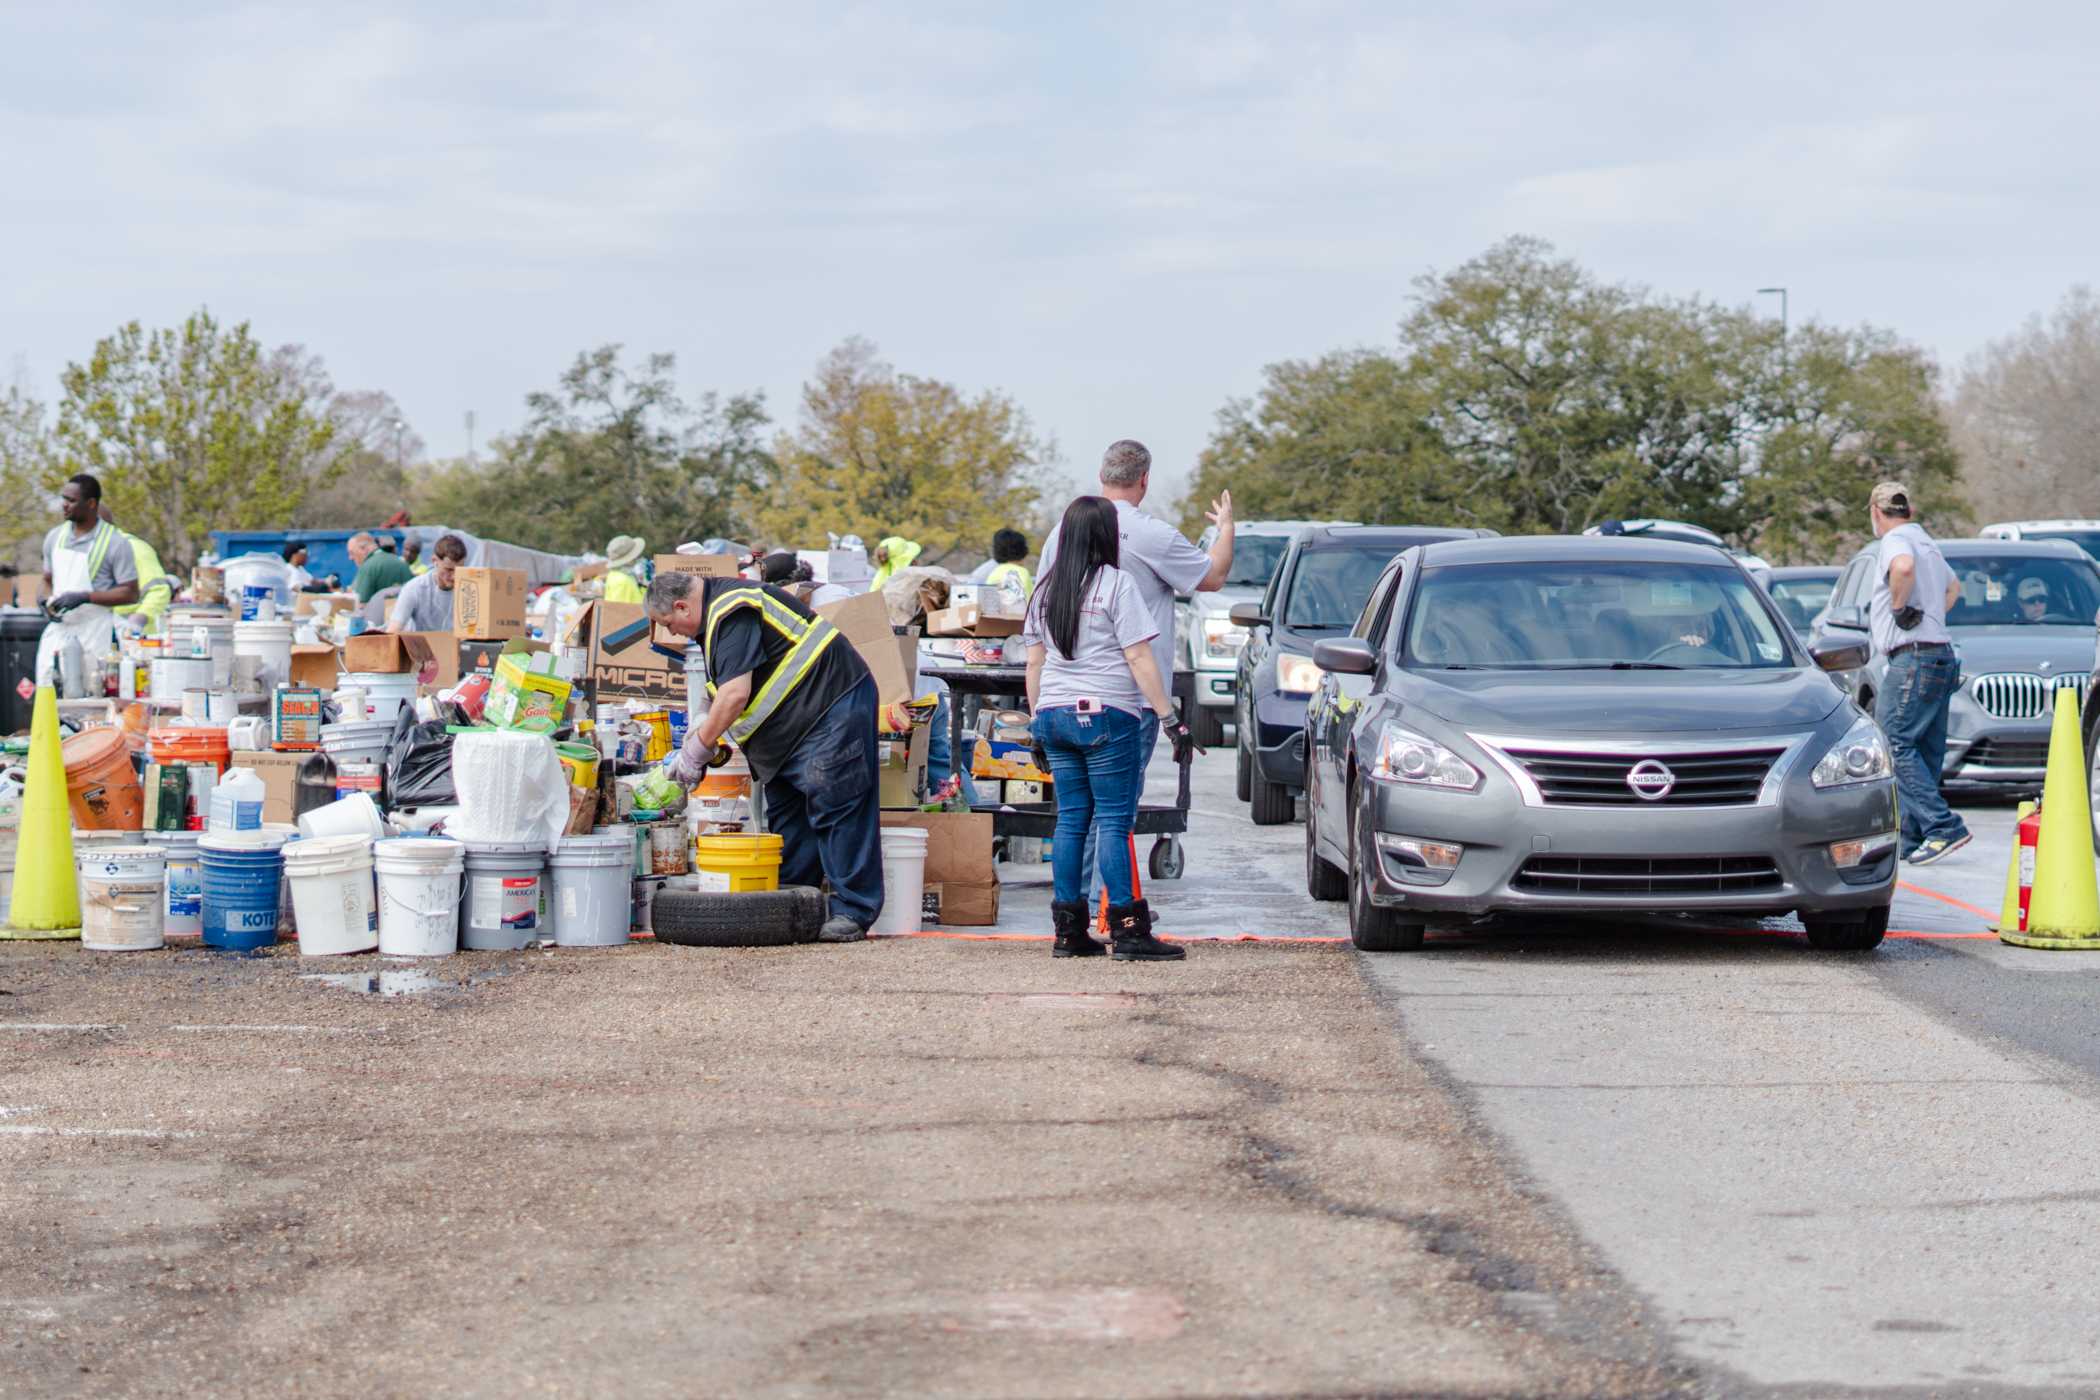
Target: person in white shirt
{"points": [[1907, 617]]}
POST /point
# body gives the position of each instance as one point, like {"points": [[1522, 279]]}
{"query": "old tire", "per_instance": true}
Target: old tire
{"points": [[1855, 934], [1207, 725], [764, 919]]}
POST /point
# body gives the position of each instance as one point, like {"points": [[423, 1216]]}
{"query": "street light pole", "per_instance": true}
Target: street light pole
{"points": [[397, 425], [1779, 292]]}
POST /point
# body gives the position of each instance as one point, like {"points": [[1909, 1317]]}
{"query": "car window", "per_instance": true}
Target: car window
{"points": [[1328, 586], [1268, 599], [1379, 610], [1550, 615], [1800, 599], [1856, 586], [2022, 590], [1254, 559]]}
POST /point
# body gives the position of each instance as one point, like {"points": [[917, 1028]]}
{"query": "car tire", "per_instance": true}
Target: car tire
{"points": [[1372, 929], [1206, 726], [1853, 934], [1322, 881], [1243, 775], [1273, 803], [761, 919]]}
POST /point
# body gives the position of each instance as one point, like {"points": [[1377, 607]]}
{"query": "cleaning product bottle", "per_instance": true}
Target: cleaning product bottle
{"points": [[237, 801]]}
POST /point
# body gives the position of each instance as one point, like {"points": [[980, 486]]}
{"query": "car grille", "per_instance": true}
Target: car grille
{"points": [[1724, 778], [2021, 695], [2007, 753], [1637, 875]]}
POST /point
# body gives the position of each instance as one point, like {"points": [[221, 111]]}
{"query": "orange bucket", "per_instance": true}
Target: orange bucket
{"points": [[101, 785], [183, 744]]}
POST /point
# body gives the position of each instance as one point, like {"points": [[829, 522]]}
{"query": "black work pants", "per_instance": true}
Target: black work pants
{"points": [[824, 804]]}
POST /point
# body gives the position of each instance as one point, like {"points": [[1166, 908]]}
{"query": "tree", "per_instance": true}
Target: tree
{"points": [[375, 481], [2026, 415], [193, 429], [610, 452], [880, 453], [25, 502]]}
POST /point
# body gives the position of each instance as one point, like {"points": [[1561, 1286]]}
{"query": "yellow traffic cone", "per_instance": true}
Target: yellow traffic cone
{"points": [[2063, 910], [2009, 913], [46, 900]]}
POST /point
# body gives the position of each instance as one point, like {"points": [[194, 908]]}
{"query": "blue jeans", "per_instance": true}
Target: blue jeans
{"points": [[1912, 711], [1089, 873], [1095, 764], [825, 808], [939, 762]]}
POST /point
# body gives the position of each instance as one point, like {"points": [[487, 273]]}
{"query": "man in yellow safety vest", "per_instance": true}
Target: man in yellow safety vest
{"points": [[791, 693]]}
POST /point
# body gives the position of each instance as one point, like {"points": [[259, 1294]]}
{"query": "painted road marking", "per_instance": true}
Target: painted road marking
{"points": [[285, 1030], [52, 1026], [38, 1130]]}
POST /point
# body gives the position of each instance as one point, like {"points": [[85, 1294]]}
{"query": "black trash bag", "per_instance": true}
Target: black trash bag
{"points": [[418, 764]]}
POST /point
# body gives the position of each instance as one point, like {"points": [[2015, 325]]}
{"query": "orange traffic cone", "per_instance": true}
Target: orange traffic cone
{"points": [[46, 899]]}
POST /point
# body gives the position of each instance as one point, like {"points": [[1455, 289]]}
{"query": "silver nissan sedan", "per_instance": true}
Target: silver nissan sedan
{"points": [[1559, 725]]}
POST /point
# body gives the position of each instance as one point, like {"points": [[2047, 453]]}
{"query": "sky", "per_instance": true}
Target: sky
{"points": [[1117, 213]]}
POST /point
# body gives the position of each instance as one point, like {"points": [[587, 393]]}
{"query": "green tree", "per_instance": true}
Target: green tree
{"points": [[192, 429], [26, 507], [609, 452], [881, 453]]}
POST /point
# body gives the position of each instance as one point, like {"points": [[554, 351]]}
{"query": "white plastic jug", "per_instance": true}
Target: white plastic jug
{"points": [[237, 801]]}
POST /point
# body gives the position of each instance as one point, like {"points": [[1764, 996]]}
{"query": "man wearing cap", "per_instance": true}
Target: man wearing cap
{"points": [[2034, 600], [1913, 588], [621, 557]]}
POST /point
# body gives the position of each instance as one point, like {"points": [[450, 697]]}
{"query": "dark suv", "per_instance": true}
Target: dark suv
{"points": [[1317, 592]]}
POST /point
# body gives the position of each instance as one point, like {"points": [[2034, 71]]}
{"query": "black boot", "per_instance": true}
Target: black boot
{"points": [[1131, 927], [1073, 941]]}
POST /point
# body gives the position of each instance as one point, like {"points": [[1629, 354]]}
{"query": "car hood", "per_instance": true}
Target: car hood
{"points": [[1618, 703], [1988, 649], [1222, 601]]}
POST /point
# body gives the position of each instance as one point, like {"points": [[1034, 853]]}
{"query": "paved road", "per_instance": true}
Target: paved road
{"points": [[1821, 1172]]}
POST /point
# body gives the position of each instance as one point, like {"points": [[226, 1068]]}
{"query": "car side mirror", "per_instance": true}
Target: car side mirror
{"points": [[1248, 615], [1846, 619], [1345, 656], [1841, 654]]}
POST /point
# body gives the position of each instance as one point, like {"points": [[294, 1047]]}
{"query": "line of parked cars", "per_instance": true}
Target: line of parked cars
{"points": [[1481, 726]]}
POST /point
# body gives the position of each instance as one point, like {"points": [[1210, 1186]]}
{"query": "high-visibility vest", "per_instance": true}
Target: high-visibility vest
{"points": [[1015, 573], [621, 587], [98, 550], [807, 638], [155, 592]]}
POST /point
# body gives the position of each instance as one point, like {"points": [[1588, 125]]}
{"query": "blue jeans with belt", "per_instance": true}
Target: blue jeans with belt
{"points": [[1089, 869], [1912, 711], [825, 807], [1095, 762]]}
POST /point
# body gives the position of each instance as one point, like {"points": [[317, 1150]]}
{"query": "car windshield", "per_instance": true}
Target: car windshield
{"points": [[2087, 540], [1330, 586], [1601, 616], [2014, 591], [1254, 560], [1800, 599]]}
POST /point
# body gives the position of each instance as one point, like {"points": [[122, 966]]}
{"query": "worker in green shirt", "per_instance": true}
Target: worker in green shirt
{"points": [[376, 568], [156, 589]]}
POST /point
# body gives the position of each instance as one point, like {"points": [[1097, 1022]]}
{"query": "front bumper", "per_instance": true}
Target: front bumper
{"points": [[1217, 690], [1985, 753], [1502, 835], [1279, 738]]}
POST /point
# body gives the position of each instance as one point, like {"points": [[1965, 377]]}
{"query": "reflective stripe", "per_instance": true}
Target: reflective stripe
{"points": [[98, 550], [809, 635], [1018, 574]]}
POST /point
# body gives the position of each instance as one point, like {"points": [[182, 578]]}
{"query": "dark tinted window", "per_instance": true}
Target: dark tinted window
{"points": [[1254, 560], [1800, 599], [1329, 586], [1379, 611]]}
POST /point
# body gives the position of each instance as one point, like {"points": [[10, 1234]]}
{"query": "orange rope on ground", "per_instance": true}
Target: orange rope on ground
{"points": [[1991, 915]]}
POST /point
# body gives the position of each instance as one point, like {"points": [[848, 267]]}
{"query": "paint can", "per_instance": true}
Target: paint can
{"points": [[124, 888], [503, 898], [243, 880], [358, 777], [332, 895], [592, 901], [667, 848], [182, 909], [418, 895]]}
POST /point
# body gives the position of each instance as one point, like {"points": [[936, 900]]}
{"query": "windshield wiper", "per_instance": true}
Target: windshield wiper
{"points": [[1642, 666], [1316, 626]]}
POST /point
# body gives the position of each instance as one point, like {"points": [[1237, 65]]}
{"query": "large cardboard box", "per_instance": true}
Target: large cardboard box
{"points": [[280, 775], [622, 664], [307, 604], [488, 602], [431, 657], [316, 664], [902, 769], [972, 620], [969, 903], [698, 565], [478, 658], [864, 621]]}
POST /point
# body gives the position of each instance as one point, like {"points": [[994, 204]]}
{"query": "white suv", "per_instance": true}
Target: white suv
{"points": [[2083, 533], [1207, 640]]}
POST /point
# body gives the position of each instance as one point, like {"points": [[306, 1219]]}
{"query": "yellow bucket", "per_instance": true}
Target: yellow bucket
{"points": [[737, 864], [581, 762]]}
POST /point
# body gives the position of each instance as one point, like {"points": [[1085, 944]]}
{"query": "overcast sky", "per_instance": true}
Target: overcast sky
{"points": [[1117, 213]]}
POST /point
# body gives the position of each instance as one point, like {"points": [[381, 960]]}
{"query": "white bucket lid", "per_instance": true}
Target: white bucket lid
{"points": [[319, 848], [435, 854], [269, 628], [267, 838]]}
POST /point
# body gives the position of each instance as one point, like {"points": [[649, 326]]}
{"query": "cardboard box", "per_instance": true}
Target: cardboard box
{"points": [[381, 652], [864, 621], [903, 768], [622, 664], [958, 845], [972, 620], [488, 602], [527, 693], [316, 664], [478, 658], [307, 604], [969, 903], [431, 657], [280, 775], [698, 565], [1019, 791]]}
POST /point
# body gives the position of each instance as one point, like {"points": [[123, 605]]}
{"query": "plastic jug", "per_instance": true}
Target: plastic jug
{"points": [[237, 801]]}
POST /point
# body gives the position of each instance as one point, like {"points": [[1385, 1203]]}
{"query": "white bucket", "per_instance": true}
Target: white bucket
{"points": [[350, 704], [7, 869], [204, 633], [173, 677], [418, 896], [903, 880], [503, 899], [385, 692], [97, 842], [592, 901], [125, 888], [356, 741], [270, 643], [183, 909], [332, 895], [355, 815]]}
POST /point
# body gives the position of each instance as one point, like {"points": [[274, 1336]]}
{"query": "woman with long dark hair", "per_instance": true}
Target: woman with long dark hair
{"points": [[1091, 676]]}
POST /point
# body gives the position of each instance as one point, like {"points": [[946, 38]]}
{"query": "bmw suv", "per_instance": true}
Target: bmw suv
{"points": [[1590, 725]]}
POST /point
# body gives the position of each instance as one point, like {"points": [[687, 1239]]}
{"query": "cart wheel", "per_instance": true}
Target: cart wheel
{"points": [[1167, 861]]}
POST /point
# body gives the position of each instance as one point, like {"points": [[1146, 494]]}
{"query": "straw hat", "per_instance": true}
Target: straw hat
{"points": [[624, 551]]}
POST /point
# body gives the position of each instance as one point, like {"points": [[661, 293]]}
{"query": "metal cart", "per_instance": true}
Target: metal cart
{"points": [[1166, 825]]}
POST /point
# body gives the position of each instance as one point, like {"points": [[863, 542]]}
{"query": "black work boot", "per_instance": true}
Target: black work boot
{"points": [[1130, 925], [1073, 941]]}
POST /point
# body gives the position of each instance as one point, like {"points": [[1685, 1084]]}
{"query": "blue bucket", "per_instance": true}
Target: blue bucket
{"points": [[242, 875]]}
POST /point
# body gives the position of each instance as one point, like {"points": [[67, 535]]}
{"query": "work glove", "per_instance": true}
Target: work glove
{"points": [[1909, 616], [66, 602], [682, 768], [1181, 737], [1040, 757]]}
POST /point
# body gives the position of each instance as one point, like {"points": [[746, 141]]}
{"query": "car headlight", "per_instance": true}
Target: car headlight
{"points": [[1222, 639], [1862, 756], [1297, 674], [1406, 757]]}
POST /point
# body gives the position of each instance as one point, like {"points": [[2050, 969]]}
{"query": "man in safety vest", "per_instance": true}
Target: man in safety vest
{"points": [[623, 558], [88, 570], [156, 589], [891, 555], [798, 700], [1004, 570]]}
